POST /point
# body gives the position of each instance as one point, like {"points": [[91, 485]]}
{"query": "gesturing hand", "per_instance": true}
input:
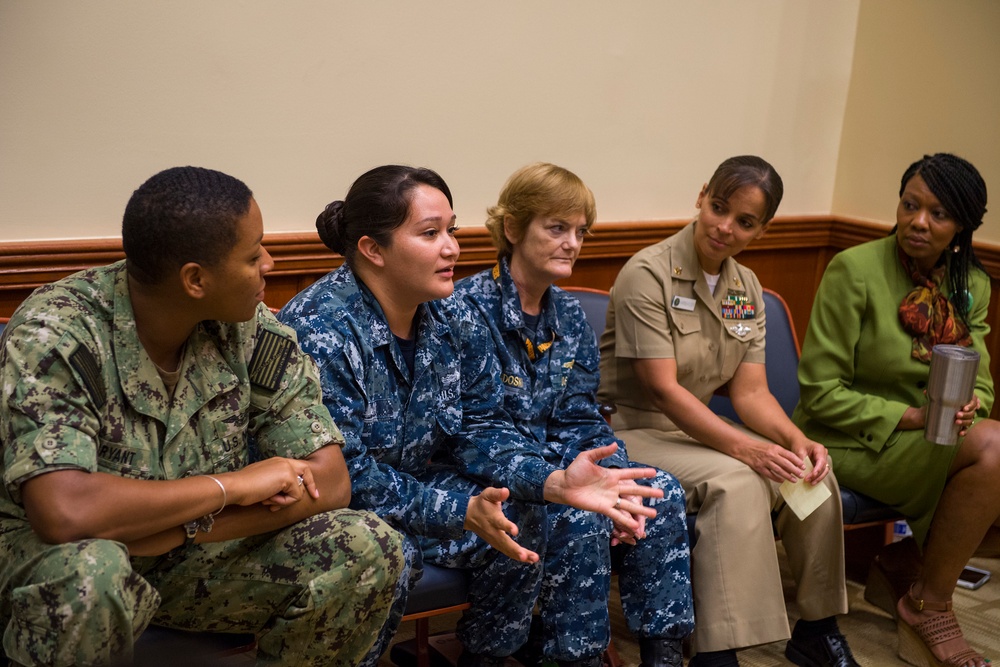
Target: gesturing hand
{"points": [[611, 492], [486, 519]]}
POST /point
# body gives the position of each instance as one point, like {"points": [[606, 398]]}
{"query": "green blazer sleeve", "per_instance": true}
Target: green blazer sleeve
{"points": [[827, 370], [979, 287], [857, 374]]}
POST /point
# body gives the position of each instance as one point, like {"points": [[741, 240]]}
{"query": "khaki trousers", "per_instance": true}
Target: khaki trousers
{"points": [[738, 597]]}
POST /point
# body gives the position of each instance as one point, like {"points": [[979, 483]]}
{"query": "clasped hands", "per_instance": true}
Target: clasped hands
{"points": [[274, 482], [779, 464]]}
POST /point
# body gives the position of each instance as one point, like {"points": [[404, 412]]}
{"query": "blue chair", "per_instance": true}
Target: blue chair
{"points": [[440, 591], [783, 352], [595, 306]]}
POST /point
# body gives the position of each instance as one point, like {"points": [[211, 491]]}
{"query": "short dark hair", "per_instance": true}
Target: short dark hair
{"points": [[743, 170], [181, 215], [962, 191], [377, 203]]}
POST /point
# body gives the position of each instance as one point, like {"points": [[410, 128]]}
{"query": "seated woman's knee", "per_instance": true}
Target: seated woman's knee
{"points": [[981, 447]]}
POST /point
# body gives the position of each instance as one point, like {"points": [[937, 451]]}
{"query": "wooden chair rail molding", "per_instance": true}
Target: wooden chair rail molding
{"points": [[790, 259]]}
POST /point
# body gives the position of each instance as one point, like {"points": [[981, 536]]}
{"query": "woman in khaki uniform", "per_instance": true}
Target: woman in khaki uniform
{"points": [[685, 319]]}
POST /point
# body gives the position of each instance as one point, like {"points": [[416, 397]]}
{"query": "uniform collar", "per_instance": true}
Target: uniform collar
{"points": [[205, 372], [511, 314], [430, 329], [684, 265]]}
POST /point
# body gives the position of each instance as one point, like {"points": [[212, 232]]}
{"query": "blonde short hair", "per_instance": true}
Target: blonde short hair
{"points": [[539, 189]]}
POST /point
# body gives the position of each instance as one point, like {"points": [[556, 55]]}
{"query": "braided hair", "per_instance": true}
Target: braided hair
{"points": [[962, 192]]}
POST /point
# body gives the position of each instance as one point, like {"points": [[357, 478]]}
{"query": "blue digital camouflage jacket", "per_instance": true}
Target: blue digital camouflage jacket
{"points": [[553, 396], [399, 430]]}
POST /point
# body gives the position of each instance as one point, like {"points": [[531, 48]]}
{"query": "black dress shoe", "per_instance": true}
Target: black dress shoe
{"points": [[725, 658], [661, 652], [829, 650], [467, 659], [595, 661]]}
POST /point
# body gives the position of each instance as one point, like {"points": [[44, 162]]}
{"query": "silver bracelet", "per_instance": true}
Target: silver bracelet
{"points": [[225, 498]]}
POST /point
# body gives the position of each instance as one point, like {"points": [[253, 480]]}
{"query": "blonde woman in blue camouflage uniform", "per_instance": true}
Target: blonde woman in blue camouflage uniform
{"points": [[412, 379], [550, 372], [129, 494]]}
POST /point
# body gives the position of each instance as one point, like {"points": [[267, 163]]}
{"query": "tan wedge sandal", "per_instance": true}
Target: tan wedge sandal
{"points": [[915, 641]]}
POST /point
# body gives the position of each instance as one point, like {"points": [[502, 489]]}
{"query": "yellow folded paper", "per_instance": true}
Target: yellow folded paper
{"points": [[802, 496]]}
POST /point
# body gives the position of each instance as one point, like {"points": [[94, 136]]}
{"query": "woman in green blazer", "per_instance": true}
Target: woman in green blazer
{"points": [[879, 310]]}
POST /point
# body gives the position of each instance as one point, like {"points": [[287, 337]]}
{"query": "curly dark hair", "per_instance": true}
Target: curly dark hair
{"points": [[181, 215]]}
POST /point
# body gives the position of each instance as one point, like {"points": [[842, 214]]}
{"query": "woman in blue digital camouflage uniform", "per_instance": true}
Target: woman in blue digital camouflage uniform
{"points": [[413, 382], [550, 373]]}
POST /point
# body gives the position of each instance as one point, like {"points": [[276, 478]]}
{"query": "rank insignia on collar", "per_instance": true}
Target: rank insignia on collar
{"points": [[740, 329]]}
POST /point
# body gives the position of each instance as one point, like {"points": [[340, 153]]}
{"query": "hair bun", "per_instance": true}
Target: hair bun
{"points": [[331, 227]]}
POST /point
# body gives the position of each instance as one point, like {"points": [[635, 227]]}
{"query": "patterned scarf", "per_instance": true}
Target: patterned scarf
{"points": [[927, 314]]}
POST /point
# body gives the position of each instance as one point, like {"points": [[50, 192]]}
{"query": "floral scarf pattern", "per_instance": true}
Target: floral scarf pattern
{"points": [[927, 314]]}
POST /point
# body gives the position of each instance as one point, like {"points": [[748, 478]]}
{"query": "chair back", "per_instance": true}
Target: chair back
{"points": [[782, 348], [595, 306]]}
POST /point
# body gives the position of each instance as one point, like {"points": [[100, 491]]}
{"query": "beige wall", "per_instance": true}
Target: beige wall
{"points": [[926, 79], [642, 99]]}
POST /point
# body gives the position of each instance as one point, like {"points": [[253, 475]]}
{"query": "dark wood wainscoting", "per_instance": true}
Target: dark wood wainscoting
{"points": [[790, 259]]}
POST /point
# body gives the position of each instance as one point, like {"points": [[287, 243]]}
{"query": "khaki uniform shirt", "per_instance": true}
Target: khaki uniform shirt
{"points": [[661, 308]]}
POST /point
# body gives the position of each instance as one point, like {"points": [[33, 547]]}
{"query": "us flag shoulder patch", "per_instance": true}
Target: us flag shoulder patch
{"points": [[85, 365], [270, 359]]}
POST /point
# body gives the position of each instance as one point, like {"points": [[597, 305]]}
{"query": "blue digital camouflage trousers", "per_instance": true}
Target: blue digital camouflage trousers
{"points": [[315, 593], [654, 577], [502, 591]]}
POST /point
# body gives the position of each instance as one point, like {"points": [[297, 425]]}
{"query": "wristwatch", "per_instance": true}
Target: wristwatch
{"points": [[190, 531], [191, 528]]}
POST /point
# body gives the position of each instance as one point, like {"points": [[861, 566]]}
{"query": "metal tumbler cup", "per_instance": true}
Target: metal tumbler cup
{"points": [[950, 386]]}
